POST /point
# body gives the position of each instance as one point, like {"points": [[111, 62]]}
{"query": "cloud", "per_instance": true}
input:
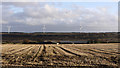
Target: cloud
{"points": [[37, 14], [60, 0]]}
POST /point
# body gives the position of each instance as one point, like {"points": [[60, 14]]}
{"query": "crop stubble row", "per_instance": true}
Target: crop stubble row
{"points": [[61, 55]]}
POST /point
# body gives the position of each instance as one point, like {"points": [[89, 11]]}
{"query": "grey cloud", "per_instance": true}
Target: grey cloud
{"points": [[37, 14]]}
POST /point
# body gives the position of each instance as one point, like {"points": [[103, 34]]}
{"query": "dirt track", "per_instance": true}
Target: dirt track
{"points": [[34, 55]]}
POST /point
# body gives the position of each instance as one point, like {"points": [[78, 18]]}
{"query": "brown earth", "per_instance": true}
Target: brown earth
{"points": [[62, 55]]}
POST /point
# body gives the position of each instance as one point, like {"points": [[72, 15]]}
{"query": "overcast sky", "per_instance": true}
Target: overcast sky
{"points": [[60, 16]]}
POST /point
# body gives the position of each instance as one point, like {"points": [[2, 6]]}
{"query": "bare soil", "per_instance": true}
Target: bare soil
{"points": [[63, 55]]}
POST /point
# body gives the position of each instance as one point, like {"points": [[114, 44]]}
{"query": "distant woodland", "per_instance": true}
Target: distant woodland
{"points": [[17, 37]]}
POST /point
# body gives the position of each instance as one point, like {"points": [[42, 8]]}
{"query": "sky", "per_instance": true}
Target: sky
{"points": [[60, 16]]}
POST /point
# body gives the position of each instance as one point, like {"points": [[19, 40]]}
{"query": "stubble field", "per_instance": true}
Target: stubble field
{"points": [[62, 55]]}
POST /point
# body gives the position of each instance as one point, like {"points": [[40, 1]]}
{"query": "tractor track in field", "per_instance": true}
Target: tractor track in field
{"points": [[55, 51], [50, 51], [42, 51], [42, 56], [33, 59], [77, 51], [39, 56], [59, 51], [20, 57], [112, 53], [94, 50], [26, 51], [85, 51], [10, 49], [21, 50], [94, 53], [33, 50], [69, 51], [99, 52]]}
